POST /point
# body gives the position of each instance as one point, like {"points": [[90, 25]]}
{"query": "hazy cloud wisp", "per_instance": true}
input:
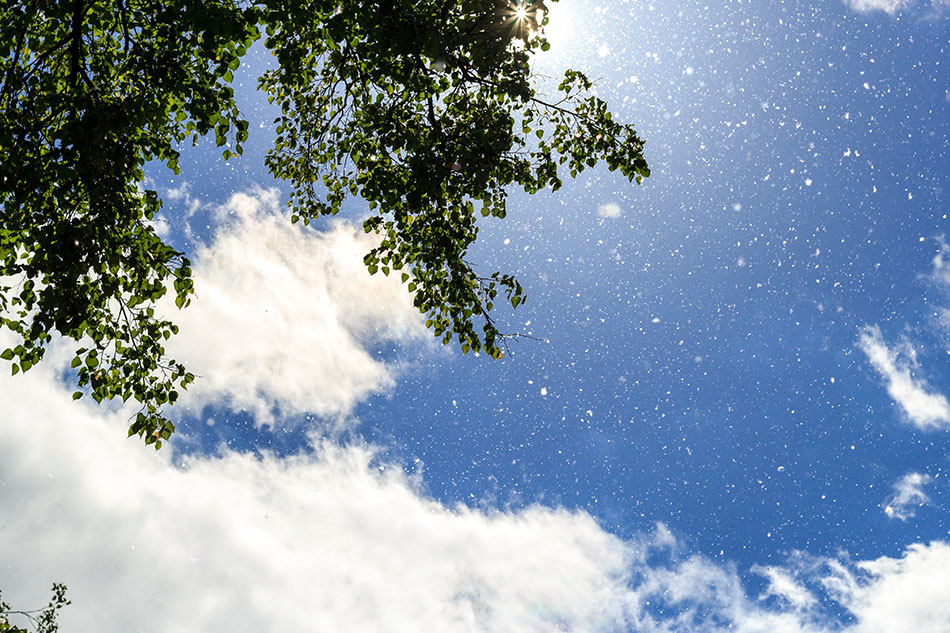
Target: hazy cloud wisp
{"points": [[925, 408], [907, 497]]}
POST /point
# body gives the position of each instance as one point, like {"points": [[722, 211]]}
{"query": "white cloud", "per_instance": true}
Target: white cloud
{"points": [[884, 595], [931, 9], [901, 594], [908, 495], [784, 586], [283, 316], [609, 210], [925, 408], [328, 541], [339, 540], [888, 6]]}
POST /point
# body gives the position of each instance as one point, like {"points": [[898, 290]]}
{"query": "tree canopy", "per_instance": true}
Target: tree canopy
{"points": [[425, 109]]}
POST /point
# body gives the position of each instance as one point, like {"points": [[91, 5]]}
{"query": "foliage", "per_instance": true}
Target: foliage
{"points": [[426, 109], [42, 620]]}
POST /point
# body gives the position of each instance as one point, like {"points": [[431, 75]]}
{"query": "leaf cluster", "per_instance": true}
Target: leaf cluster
{"points": [[90, 92], [42, 620], [425, 109]]}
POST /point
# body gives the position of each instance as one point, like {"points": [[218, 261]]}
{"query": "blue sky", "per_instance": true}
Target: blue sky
{"points": [[736, 416]]}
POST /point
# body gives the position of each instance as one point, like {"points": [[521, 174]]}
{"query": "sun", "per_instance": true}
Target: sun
{"points": [[521, 13]]}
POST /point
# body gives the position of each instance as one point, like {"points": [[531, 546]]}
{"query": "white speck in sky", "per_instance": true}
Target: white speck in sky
{"points": [[603, 50], [609, 210]]}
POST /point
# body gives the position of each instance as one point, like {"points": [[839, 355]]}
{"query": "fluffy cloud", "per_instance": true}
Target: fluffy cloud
{"points": [[337, 539], [900, 594], [923, 407], [285, 318], [908, 495], [333, 540]]}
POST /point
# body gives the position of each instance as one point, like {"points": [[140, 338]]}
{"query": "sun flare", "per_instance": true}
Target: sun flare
{"points": [[558, 30]]}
